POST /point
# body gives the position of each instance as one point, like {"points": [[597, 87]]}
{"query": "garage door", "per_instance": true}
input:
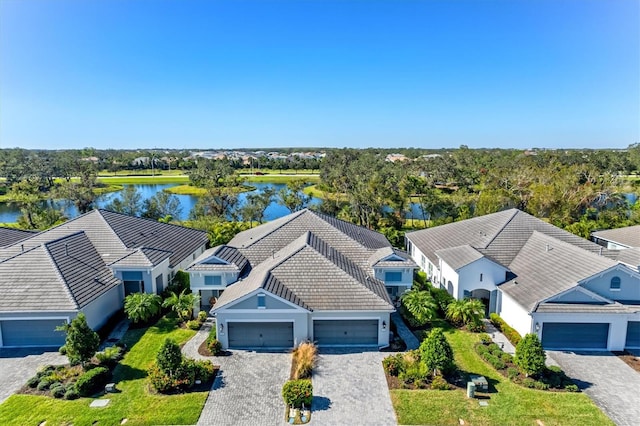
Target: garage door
{"points": [[562, 335], [345, 332], [633, 334], [260, 334], [32, 333]]}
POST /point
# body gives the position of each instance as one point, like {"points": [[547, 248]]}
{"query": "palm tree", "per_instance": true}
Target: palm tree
{"points": [[182, 304], [466, 311], [420, 305], [141, 307]]}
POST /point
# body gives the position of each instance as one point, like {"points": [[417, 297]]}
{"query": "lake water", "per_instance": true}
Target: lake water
{"points": [[10, 213]]}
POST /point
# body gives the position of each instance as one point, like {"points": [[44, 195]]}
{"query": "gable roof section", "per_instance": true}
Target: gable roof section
{"points": [[64, 274], [628, 236], [499, 236], [310, 273], [9, 236], [143, 256], [390, 257], [139, 232], [458, 257], [546, 266], [232, 260]]}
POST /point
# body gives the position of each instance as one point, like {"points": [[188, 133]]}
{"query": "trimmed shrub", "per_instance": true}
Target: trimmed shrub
{"points": [[494, 348], [394, 364], [476, 326], [298, 392], [497, 363], [530, 356], [414, 372], [442, 299], [62, 350], [33, 382], [204, 369], [540, 385], [529, 383], [58, 391], [81, 341], [194, 324], [164, 383], [304, 357], [571, 388], [509, 332], [436, 352], [91, 381], [555, 369], [71, 393], [506, 358], [439, 383], [202, 316], [482, 350], [512, 373], [169, 357], [485, 339], [110, 356], [214, 346], [43, 385]]}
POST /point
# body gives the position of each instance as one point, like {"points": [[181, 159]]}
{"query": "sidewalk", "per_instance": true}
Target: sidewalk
{"points": [[403, 331], [498, 337], [116, 334]]}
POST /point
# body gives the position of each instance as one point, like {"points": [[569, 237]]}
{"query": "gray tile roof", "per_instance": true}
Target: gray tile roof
{"points": [[60, 275], [499, 236], [630, 257], [314, 275], [628, 236], [387, 257], [10, 236], [234, 260], [143, 256], [460, 256], [546, 266], [587, 308]]}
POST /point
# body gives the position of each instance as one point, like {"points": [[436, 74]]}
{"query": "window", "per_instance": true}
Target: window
{"points": [[392, 277], [480, 277], [430, 269], [133, 282], [262, 301], [615, 283], [212, 280], [422, 261]]}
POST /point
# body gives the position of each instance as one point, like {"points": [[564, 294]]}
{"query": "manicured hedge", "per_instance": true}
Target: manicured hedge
{"points": [[510, 333], [92, 380], [298, 392]]}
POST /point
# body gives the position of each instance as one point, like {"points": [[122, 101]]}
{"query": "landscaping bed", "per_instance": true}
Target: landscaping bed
{"points": [[629, 359], [297, 392]]}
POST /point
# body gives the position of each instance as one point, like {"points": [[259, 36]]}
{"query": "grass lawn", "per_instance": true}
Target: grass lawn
{"points": [[509, 404], [132, 180], [280, 178], [198, 192], [134, 402]]}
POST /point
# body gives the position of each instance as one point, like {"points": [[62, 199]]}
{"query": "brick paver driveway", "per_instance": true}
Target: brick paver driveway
{"points": [[18, 365], [609, 382], [248, 390], [349, 388]]}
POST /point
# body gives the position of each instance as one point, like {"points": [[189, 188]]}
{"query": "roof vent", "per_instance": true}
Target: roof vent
{"points": [[66, 250], [515, 282], [547, 247], [600, 251], [21, 247]]}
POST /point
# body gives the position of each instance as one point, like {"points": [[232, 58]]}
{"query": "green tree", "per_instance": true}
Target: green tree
{"points": [[169, 357], [256, 205], [530, 356], [81, 341], [83, 193], [420, 305], [292, 196], [128, 202], [182, 304], [162, 205], [465, 311], [436, 353], [141, 307]]}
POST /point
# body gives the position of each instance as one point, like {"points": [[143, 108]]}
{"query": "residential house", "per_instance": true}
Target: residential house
{"points": [[87, 264], [540, 279], [305, 276]]}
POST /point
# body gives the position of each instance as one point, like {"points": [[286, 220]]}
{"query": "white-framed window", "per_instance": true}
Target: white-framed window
{"points": [[262, 301], [615, 284], [392, 276], [212, 280]]}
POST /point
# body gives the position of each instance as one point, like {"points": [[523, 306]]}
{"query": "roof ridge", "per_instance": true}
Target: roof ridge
{"points": [[293, 215], [515, 213], [325, 218], [64, 237], [59, 274]]}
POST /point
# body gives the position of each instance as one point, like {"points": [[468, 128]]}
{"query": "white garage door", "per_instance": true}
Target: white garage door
{"points": [[260, 334], [32, 333]]}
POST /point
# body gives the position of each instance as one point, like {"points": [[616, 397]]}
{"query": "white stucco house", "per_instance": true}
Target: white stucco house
{"points": [[573, 293], [306, 276], [87, 264]]}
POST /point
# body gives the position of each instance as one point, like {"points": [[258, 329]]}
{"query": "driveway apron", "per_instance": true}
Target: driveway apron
{"points": [[349, 388], [248, 390], [607, 380], [18, 365]]}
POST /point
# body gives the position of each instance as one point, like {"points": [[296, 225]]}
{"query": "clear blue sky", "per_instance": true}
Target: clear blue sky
{"points": [[228, 74]]}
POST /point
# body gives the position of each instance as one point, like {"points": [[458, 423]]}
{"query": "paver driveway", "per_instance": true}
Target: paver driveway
{"points": [[350, 388], [248, 390], [609, 382], [18, 365]]}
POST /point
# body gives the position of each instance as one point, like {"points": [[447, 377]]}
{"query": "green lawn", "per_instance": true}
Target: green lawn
{"points": [[132, 180], [280, 178], [134, 402], [509, 404]]}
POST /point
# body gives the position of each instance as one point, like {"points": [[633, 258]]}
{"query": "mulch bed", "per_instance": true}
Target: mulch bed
{"points": [[203, 350], [629, 359]]}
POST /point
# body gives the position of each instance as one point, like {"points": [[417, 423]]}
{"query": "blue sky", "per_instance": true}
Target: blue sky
{"points": [[397, 73]]}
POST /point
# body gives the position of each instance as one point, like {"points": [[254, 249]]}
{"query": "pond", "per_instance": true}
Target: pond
{"points": [[10, 213]]}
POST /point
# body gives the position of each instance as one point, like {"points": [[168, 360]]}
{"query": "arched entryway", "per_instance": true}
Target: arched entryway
{"points": [[484, 296]]}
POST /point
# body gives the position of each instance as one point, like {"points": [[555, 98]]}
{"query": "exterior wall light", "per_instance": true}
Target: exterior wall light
{"points": [[384, 325], [537, 327]]}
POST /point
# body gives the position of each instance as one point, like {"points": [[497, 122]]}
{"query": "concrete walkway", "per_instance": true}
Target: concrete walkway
{"points": [[349, 388], [498, 337], [403, 331], [607, 380], [247, 390]]}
